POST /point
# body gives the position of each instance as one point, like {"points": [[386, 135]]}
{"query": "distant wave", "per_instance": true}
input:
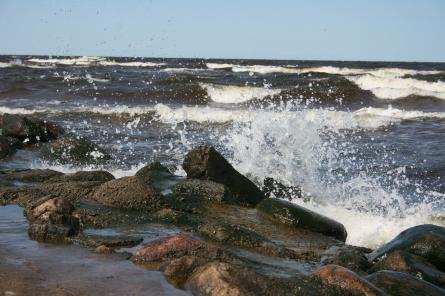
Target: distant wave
{"points": [[89, 61], [237, 94]]}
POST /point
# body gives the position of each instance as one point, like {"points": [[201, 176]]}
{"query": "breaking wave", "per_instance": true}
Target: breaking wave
{"points": [[237, 94], [91, 61]]}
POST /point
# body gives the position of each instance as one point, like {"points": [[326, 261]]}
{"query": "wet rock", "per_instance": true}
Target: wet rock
{"points": [[29, 129], [29, 175], [51, 220], [169, 247], [74, 149], [194, 195], [346, 279], [415, 265], [294, 215], [177, 271], [73, 191], [427, 241], [205, 163], [22, 196], [104, 250], [231, 234], [157, 175], [274, 188], [129, 193], [175, 217], [6, 147], [398, 283], [115, 241], [83, 176], [353, 258]]}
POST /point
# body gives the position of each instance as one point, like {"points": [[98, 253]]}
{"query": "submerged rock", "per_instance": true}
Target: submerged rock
{"points": [[402, 284], [427, 241], [294, 215], [28, 129], [205, 163], [347, 280], [415, 265], [74, 149], [129, 193], [177, 271]]}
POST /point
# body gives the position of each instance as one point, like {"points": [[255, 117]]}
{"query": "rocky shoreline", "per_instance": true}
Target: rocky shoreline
{"points": [[235, 238]]}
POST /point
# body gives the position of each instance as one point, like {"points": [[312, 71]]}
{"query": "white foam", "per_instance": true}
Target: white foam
{"points": [[395, 88], [306, 152], [87, 61], [217, 66], [9, 110], [237, 94]]}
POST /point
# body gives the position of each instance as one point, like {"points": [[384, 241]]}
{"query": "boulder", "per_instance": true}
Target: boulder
{"points": [[353, 258], [51, 220], [157, 175], [297, 216], [205, 163], [28, 129], [174, 246], [177, 271], [74, 149], [347, 280], [427, 241], [73, 191], [193, 195], [402, 284], [129, 193], [415, 265]]}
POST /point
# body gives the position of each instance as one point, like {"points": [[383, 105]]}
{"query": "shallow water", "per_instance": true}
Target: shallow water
{"points": [[73, 268], [364, 140]]}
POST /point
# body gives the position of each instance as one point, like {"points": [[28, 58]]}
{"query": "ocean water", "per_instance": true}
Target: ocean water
{"points": [[364, 140]]}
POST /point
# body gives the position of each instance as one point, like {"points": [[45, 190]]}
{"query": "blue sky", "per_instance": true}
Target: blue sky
{"points": [[397, 30]]}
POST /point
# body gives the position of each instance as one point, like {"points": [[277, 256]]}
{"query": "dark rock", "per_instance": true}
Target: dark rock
{"points": [[398, 283], [177, 271], [129, 193], [294, 215], [415, 265], [51, 233], [427, 241], [353, 258], [175, 217], [194, 195], [231, 234], [74, 149], [73, 191], [169, 247], [157, 175], [6, 147], [346, 279], [83, 176], [274, 188], [29, 175], [28, 129], [205, 163]]}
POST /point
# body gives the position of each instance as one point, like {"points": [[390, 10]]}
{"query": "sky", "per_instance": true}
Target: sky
{"points": [[382, 30]]}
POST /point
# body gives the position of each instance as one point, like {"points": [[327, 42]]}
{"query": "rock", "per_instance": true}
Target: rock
{"points": [[29, 175], [115, 241], [353, 258], [157, 175], [175, 246], [28, 129], [205, 163], [175, 217], [231, 234], [221, 278], [177, 271], [129, 193], [51, 220], [427, 241], [346, 279], [274, 188], [415, 265], [402, 284], [74, 149], [73, 191], [83, 176], [296, 216], [194, 195], [103, 250], [6, 147]]}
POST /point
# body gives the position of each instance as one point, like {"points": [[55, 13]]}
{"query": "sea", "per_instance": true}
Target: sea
{"points": [[365, 141]]}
